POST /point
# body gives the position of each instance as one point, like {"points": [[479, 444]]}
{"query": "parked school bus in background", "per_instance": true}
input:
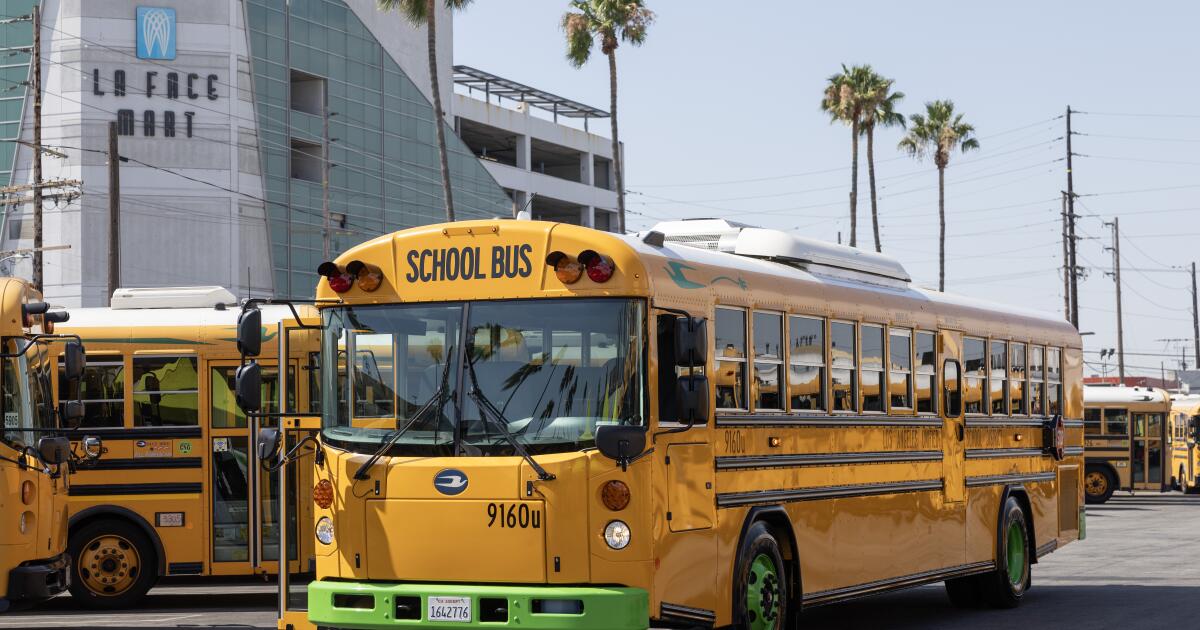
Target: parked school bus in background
{"points": [[175, 494], [1184, 432], [1125, 440], [35, 464], [577, 429]]}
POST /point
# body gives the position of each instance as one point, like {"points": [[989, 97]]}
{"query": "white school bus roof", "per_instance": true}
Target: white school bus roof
{"points": [[506, 259]]}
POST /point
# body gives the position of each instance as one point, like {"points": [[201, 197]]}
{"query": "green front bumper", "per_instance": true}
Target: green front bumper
{"points": [[366, 606]]}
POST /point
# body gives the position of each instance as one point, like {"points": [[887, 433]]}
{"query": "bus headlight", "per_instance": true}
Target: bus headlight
{"points": [[27, 492], [324, 530], [617, 534], [23, 522]]}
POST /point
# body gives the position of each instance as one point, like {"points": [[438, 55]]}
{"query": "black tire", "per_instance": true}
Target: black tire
{"points": [[1004, 587], [964, 592], [113, 564], [770, 589], [1099, 484], [1188, 488]]}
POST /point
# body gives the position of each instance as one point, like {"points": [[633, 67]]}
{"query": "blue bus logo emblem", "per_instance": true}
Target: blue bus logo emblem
{"points": [[155, 33], [450, 482]]}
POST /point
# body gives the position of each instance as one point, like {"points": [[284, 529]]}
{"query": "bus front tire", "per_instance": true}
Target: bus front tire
{"points": [[1098, 484], [760, 597], [114, 564], [1006, 585]]}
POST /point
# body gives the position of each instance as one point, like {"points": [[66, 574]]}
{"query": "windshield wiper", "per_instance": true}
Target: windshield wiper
{"points": [[489, 411], [439, 397]]}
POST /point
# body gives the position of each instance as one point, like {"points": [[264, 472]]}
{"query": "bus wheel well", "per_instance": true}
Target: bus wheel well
{"points": [[1018, 493], [118, 513], [776, 519]]}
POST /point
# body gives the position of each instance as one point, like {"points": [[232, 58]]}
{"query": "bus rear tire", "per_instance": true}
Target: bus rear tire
{"points": [[760, 585], [1185, 486], [113, 564], [1006, 585], [1098, 484]]}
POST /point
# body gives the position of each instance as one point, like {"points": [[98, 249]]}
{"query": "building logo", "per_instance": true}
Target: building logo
{"points": [[450, 481], [155, 33]]}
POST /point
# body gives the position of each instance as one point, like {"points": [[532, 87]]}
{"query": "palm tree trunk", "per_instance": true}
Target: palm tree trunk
{"points": [[854, 184], [438, 115], [941, 228], [871, 177], [618, 176]]}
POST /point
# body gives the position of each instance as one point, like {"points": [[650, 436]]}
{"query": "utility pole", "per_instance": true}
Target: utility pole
{"points": [[1066, 264], [1116, 274], [1071, 229], [325, 223], [1195, 316], [114, 212], [36, 75]]}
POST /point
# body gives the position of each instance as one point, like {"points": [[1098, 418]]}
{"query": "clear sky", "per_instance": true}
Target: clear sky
{"points": [[723, 92]]}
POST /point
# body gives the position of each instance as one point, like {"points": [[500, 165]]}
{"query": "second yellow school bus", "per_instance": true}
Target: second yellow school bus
{"points": [[709, 424], [1126, 440]]}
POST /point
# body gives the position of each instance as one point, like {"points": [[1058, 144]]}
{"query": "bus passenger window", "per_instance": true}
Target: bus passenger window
{"points": [[165, 391], [975, 373], [768, 361], [1116, 421], [1054, 389], [951, 389], [872, 368], [1016, 392], [1037, 386], [926, 372], [900, 369], [842, 372], [102, 391], [806, 358], [730, 345], [999, 378], [1091, 422]]}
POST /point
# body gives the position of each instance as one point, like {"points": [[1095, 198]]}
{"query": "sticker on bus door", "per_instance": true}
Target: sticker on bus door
{"points": [[456, 609]]}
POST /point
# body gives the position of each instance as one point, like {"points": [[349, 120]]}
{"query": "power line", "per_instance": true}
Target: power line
{"points": [[1138, 115]]}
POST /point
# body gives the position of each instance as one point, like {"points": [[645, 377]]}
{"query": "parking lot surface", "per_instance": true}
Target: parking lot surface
{"points": [[1138, 568]]}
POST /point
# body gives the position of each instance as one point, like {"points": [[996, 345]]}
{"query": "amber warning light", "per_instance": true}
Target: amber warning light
{"points": [[599, 268]]}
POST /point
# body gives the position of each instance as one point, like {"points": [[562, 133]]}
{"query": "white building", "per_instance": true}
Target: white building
{"points": [[262, 137]]}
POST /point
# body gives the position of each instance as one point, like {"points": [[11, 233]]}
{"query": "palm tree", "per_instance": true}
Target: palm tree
{"points": [[611, 21], [842, 102], [422, 13], [937, 132], [878, 110]]}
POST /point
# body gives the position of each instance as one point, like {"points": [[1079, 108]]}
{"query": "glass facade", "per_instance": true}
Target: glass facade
{"points": [[14, 70], [382, 163]]}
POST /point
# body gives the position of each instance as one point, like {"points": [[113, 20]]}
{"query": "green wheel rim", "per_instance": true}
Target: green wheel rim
{"points": [[1016, 554], [762, 594]]}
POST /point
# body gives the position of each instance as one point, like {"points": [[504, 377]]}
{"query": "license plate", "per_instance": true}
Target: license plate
{"points": [[457, 609]]}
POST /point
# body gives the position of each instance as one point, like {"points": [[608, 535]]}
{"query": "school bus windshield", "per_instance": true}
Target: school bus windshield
{"points": [[26, 400], [549, 370]]}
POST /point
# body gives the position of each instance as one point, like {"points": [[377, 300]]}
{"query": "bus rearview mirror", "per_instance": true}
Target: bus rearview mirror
{"points": [[621, 442], [54, 450], [691, 341], [72, 413], [691, 395], [249, 332], [268, 443], [74, 361], [248, 387]]}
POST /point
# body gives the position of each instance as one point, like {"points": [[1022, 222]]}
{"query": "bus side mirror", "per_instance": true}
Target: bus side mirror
{"points": [[268, 443], [54, 450], [691, 394], [249, 332], [72, 413], [621, 442], [74, 361], [691, 341], [92, 447], [248, 387]]}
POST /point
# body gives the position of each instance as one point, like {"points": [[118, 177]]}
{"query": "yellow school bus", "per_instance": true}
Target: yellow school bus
{"points": [[35, 464], [1184, 432], [1126, 438], [705, 423], [175, 493]]}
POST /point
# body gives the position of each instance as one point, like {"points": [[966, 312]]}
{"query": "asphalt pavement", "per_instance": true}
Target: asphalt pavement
{"points": [[1139, 568]]}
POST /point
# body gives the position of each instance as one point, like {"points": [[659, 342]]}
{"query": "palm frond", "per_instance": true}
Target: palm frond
{"points": [[414, 10], [579, 38]]}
